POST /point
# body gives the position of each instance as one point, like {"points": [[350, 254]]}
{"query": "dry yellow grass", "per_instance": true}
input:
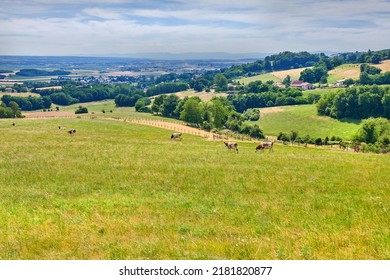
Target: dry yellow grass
{"points": [[352, 71], [293, 73], [205, 96], [384, 66], [348, 71], [270, 110]]}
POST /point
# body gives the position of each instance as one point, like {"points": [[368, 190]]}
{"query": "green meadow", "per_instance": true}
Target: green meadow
{"points": [[304, 119], [118, 190]]}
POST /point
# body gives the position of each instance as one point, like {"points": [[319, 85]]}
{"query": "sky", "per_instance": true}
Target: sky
{"points": [[123, 27]]}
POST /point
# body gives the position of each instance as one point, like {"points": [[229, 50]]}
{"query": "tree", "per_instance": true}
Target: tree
{"points": [[157, 104], [256, 132], [16, 113], [386, 105], [220, 82], [372, 129], [169, 105], [349, 82], [287, 81], [219, 112], [293, 136], [191, 112], [81, 110]]}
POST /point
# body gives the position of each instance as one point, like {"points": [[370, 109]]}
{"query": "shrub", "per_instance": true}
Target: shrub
{"points": [[81, 110]]}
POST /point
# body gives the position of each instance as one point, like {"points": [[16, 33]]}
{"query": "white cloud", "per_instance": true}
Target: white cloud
{"points": [[96, 27]]}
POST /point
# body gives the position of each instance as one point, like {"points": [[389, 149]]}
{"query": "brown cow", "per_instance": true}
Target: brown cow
{"points": [[265, 145], [356, 148], [231, 145]]}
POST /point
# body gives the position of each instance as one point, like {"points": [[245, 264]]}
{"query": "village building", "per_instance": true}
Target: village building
{"points": [[302, 85]]}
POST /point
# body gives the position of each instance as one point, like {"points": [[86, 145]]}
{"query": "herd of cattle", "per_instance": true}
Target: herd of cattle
{"points": [[233, 146]]}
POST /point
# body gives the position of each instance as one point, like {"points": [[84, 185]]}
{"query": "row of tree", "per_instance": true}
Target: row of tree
{"points": [[28, 103], [371, 75], [375, 133], [290, 96], [218, 113], [356, 102], [13, 111], [292, 60], [38, 72], [166, 88]]}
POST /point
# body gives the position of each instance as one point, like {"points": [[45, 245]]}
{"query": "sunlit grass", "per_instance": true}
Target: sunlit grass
{"points": [[117, 190], [304, 119]]}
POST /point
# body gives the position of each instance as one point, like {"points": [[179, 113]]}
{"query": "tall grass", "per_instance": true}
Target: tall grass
{"points": [[117, 190]]}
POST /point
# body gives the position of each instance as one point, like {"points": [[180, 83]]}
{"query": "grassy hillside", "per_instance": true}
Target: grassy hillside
{"points": [[274, 76], [345, 71], [123, 191], [352, 71], [304, 119]]}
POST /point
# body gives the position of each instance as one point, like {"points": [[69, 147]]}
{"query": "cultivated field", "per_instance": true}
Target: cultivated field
{"points": [[118, 190]]}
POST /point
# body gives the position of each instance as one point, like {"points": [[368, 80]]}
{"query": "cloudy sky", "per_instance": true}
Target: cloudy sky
{"points": [[121, 27]]}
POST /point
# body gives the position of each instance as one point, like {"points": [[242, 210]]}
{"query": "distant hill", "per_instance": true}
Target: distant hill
{"points": [[198, 55]]}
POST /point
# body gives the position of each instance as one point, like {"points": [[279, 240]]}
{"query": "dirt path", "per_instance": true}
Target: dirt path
{"points": [[176, 127]]}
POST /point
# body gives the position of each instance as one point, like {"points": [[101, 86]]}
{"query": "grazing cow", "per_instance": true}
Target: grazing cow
{"points": [[176, 135], [356, 148], [231, 146], [265, 145], [72, 132]]}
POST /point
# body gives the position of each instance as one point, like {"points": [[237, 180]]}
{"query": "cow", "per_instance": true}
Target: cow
{"points": [[176, 135], [13, 124], [231, 145], [265, 145], [72, 132], [356, 148]]}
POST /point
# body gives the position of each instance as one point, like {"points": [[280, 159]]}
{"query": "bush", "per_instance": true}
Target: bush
{"points": [[81, 110], [251, 115]]}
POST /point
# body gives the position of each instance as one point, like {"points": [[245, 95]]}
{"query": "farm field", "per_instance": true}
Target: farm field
{"points": [[276, 76], [304, 119], [117, 190], [205, 96], [352, 71], [21, 94]]}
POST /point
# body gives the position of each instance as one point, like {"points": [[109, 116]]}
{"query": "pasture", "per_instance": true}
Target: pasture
{"points": [[304, 119], [352, 71], [276, 76], [117, 190]]}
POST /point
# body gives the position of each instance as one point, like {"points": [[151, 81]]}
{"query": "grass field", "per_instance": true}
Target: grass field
{"points": [[276, 76], [205, 96], [304, 119], [124, 191], [352, 71]]}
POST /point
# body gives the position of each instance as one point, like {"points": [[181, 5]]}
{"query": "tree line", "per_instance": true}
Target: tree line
{"points": [[37, 72], [375, 133], [356, 102], [218, 113], [11, 111], [27, 103], [258, 95]]}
